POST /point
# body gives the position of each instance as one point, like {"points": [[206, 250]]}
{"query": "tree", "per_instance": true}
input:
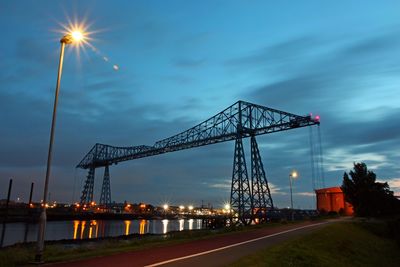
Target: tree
{"points": [[368, 197]]}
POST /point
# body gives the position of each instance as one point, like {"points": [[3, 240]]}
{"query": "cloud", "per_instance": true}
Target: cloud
{"points": [[225, 186], [305, 194], [341, 159], [394, 184], [277, 54], [339, 83], [275, 190]]}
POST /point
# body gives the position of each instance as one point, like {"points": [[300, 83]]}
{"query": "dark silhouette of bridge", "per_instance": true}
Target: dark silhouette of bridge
{"points": [[250, 198]]}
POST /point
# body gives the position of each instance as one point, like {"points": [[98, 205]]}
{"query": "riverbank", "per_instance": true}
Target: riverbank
{"points": [[79, 249]]}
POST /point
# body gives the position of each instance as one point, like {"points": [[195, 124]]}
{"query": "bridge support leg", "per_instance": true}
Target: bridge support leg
{"points": [[241, 201], [259, 185], [105, 197], [87, 192]]}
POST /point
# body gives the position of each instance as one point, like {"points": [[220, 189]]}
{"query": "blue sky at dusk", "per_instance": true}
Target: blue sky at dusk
{"points": [[181, 62]]}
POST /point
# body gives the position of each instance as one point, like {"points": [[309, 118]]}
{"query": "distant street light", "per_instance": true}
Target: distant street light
{"points": [[292, 175], [227, 207], [70, 38]]}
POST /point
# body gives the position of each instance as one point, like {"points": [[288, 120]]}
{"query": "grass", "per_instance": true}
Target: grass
{"points": [[339, 244], [22, 254]]}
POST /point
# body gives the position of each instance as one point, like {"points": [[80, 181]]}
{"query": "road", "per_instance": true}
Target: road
{"points": [[217, 251]]}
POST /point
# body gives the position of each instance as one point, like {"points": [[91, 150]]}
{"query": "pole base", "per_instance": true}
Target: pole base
{"points": [[38, 259]]}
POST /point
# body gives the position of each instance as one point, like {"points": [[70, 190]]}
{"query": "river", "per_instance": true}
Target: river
{"points": [[57, 230]]}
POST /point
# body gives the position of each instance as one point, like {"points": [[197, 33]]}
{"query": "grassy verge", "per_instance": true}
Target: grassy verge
{"points": [[340, 244], [73, 250]]}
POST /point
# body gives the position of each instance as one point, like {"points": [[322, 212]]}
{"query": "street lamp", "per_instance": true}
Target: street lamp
{"points": [[292, 175], [227, 208], [70, 38]]}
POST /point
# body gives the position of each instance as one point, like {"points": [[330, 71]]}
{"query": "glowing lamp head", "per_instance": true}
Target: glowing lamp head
{"points": [[165, 206], [227, 206], [77, 36], [73, 37], [294, 174]]}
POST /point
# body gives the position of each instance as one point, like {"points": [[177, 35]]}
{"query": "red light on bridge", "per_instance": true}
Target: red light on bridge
{"points": [[317, 118]]}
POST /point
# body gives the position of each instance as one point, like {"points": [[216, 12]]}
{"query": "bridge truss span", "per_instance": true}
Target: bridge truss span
{"points": [[240, 120]]}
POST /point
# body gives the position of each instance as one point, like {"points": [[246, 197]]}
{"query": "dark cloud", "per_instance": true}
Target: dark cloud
{"points": [[33, 51], [380, 45], [354, 127], [283, 52]]}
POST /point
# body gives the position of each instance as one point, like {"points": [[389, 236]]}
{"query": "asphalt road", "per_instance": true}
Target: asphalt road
{"points": [[217, 251]]}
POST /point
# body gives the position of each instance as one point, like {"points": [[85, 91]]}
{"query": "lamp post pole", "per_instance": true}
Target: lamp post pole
{"points": [[291, 176], [291, 196], [42, 221]]}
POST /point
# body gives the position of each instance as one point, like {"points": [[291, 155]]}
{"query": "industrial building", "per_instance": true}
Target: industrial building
{"points": [[332, 200]]}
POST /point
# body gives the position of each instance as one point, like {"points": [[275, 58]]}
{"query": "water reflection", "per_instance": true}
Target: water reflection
{"points": [[90, 231], [81, 229], [199, 224], [191, 224], [127, 225], [165, 225], [76, 225], [141, 227], [181, 224], [93, 224], [97, 227]]}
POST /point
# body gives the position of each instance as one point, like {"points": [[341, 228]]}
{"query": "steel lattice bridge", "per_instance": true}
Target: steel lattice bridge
{"points": [[250, 198]]}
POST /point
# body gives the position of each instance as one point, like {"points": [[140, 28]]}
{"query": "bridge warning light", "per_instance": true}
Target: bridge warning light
{"points": [[317, 118]]}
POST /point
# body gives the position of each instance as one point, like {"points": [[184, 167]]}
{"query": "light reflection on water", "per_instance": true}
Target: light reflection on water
{"points": [[142, 225], [165, 226], [57, 230], [181, 224], [127, 224]]}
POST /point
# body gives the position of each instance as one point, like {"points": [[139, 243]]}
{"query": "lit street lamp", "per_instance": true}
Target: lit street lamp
{"points": [[70, 38], [165, 207], [292, 175], [227, 208]]}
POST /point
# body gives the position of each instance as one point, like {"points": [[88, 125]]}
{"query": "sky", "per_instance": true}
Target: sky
{"points": [[181, 62]]}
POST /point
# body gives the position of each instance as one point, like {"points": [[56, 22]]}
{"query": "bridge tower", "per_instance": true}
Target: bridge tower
{"points": [[241, 199], [105, 197], [87, 192], [259, 185]]}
